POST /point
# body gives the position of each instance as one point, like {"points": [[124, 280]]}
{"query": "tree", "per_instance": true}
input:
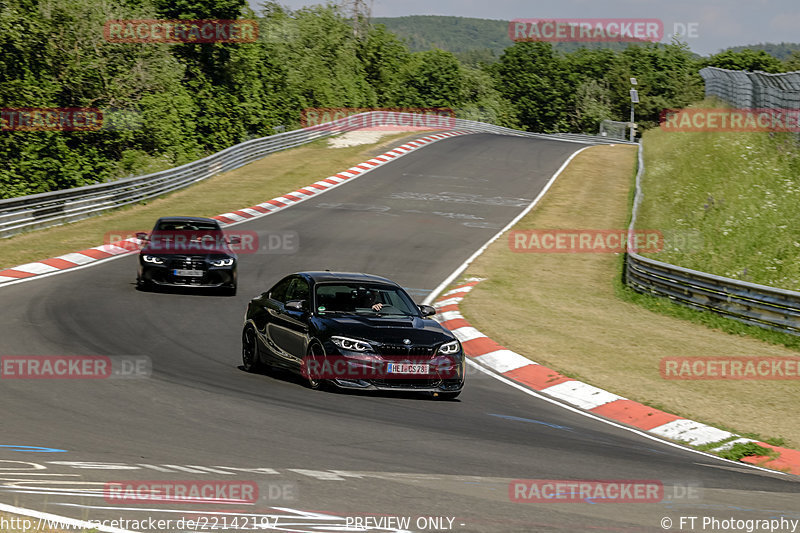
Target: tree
{"points": [[533, 78], [383, 56], [430, 79], [792, 63], [750, 60]]}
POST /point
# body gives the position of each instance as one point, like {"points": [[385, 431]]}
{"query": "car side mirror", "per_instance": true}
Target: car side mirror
{"points": [[297, 305], [234, 239], [427, 310], [142, 236]]}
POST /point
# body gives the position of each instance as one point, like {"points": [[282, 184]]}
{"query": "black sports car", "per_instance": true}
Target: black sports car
{"points": [[355, 331], [187, 252]]}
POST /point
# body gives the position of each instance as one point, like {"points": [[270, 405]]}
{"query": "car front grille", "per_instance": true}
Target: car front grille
{"points": [[401, 349], [187, 263]]}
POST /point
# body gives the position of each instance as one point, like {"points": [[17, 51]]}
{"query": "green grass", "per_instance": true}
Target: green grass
{"points": [[726, 202], [576, 317], [711, 320], [745, 449]]}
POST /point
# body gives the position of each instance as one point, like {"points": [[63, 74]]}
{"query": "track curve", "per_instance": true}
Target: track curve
{"points": [[414, 220]]}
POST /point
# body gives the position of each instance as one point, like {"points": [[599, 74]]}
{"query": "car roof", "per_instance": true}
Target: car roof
{"points": [[187, 219], [326, 276]]}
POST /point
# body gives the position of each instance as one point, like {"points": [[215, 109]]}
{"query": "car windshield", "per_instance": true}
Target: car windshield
{"points": [[187, 225], [353, 298], [187, 236]]}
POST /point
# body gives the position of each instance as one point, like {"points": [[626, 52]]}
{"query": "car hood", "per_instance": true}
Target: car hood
{"points": [[214, 252], [390, 330]]}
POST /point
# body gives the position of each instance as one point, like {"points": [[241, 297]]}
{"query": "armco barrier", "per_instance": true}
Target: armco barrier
{"points": [[54, 208], [753, 90], [759, 305]]}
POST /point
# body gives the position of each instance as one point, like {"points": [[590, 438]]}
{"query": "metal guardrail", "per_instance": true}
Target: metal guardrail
{"points": [[58, 207], [755, 90], [759, 305]]}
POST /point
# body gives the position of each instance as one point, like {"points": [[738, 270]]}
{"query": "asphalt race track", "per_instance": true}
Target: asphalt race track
{"points": [[323, 459]]}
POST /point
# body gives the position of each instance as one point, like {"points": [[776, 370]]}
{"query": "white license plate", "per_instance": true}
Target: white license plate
{"points": [[405, 368], [188, 273]]}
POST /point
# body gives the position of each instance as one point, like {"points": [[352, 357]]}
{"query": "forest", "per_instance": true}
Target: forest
{"points": [[171, 103]]}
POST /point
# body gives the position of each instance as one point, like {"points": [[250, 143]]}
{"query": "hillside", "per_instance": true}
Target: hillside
{"points": [[782, 51], [471, 39], [454, 34]]}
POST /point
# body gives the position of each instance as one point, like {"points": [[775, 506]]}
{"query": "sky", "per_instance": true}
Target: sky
{"points": [[717, 24]]}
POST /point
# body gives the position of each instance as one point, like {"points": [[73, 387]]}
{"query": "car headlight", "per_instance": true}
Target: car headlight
{"points": [[449, 348], [222, 262], [152, 259], [352, 345]]}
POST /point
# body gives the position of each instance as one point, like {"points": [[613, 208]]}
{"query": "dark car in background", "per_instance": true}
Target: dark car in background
{"points": [[353, 331], [187, 252]]}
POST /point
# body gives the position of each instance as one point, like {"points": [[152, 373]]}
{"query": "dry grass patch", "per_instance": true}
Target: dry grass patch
{"points": [[560, 310], [252, 184]]}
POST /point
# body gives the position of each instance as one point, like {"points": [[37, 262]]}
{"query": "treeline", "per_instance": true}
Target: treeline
{"points": [[188, 100], [783, 51], [472, 40]]}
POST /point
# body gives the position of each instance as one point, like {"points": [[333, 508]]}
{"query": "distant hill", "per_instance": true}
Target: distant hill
{"points": [[454, 34], [473, 40], [780, 50]]}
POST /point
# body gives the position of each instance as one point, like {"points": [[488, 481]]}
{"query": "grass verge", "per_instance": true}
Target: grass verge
{"points": [[252, 184], [563, 311], [730, 201]]}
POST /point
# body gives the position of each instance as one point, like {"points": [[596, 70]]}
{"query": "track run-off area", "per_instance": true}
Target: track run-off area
{"points": [[330, 461]]}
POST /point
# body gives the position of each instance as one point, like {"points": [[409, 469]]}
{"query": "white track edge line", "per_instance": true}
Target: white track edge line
{"points": [[270, 212], [457, 272], [588, 414]]}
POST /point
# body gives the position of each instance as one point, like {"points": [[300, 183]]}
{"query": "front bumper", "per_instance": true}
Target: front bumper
{"points": [[165, 276], [368, 371], [401, 385]]}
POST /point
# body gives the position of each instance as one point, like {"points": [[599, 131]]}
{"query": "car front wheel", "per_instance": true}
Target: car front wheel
{"points": [[312, 366], [250, 360]]}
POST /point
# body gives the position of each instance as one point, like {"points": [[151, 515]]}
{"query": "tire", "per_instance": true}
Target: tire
{"points": [[313, 380], [250, 359]]}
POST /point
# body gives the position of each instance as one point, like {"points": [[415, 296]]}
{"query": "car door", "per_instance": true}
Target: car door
{"points": [[286, 328], [296, 321], [269, 312]]}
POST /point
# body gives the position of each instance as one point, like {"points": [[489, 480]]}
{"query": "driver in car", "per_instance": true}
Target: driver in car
{"points": [[369, 299]]}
